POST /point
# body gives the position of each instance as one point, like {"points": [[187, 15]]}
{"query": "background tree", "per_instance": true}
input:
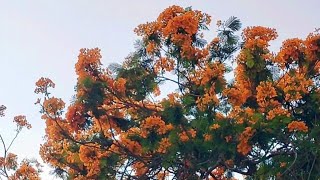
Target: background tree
{"points": [[264, 124], [9, 167]]}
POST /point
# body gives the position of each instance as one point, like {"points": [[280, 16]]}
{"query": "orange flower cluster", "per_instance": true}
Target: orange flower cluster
{"points": [[166, 64], [164, 144], [131, 145], [139, 168], [220, 116], [277, 111], [184, 136], [53, 105], [120, 85], [187, 22], [90, 155], [173, 98], [75, 117], [152, 47], [208, 98], [156, 91], [154, 123], [208, 75], [26, 171], [21, 121], [294, 86], [290, 52], [207, 137], [210, 71], [179, 26], [163, 175], [258, 37], [242, 89], [240, 116], [148, 29], [168, 14], [53, 130], [265, 94], [215, 126], [313, 47], [219, 173], [243, 147], [43, 84], [88, 62], [10, 162], [237, 114], [297, 125]]}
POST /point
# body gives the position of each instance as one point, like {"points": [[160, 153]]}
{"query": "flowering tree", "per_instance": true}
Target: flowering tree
{"points": [[9, 167], [264, 124]]}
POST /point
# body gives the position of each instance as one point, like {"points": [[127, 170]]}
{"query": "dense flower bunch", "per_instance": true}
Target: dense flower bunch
{"points": [[264, 124]]}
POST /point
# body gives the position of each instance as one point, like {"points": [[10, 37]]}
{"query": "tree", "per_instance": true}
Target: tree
{"points": [[9, 167], [264, 124]]}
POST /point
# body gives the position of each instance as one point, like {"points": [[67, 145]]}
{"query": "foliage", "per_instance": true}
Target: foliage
{"points": [[9, 167], [265, 124]]}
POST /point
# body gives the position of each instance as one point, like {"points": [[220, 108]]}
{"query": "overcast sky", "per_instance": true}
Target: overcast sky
{"points": [[43, 37]]}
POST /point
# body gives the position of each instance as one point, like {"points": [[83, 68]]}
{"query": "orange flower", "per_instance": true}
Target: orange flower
{"points": [[11, 161], [163, 175], [184, 136], [283, 164], [219, 172], [75, 117], [26, 171], [215, 126], [166, 64], [156, 91], [258, 36], [207, 137], [297, 125], [278, 111], [156, 123], [120, 85], [164, 144], [53, 105], [169, 13], [88, 62], [187, 21], [243, 147], [139, 168], [2, 162], [151, 47], [90, 155], [312, 46], [265, 93], [133, 146], [294, 85], [43, 84], [291, 51], [22, 121]]}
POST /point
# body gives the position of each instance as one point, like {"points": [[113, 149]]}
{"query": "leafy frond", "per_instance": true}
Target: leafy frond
{"points": [[200, 42], [233, 23]]}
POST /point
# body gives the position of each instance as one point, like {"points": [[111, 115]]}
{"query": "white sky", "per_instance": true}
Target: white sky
{"points": [[42, 38]]}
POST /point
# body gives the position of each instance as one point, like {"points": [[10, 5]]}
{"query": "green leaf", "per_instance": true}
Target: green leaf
{"points": [[250, 63]]}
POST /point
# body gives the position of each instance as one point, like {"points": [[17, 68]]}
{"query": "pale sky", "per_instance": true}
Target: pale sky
{"points": [[43, 37]]}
